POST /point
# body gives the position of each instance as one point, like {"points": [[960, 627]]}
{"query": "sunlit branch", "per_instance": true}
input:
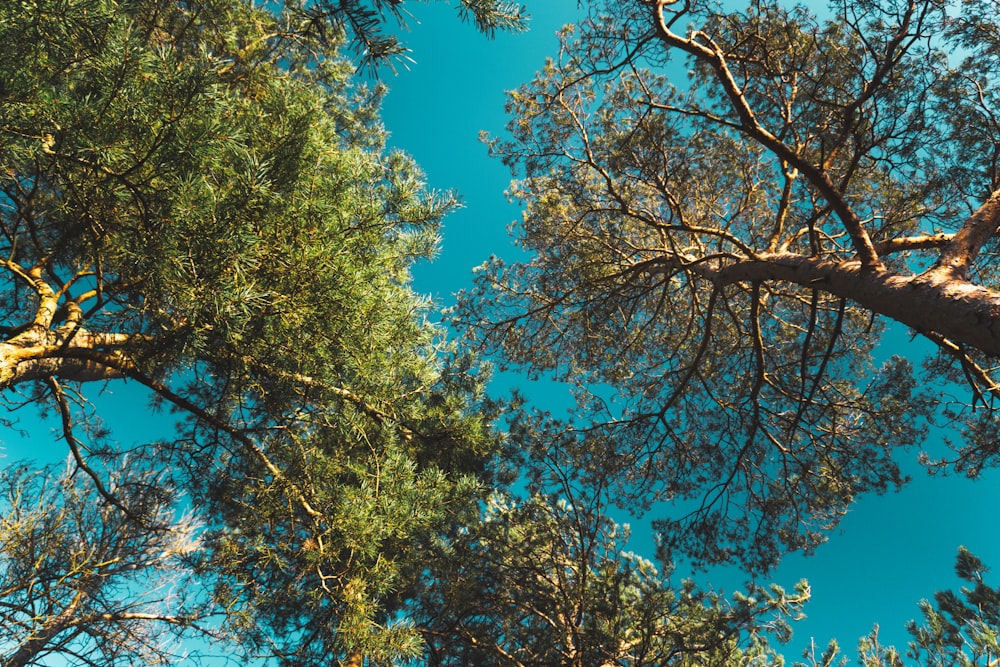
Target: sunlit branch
{"points": [[965, 244], [924, 242], [713, 56]]}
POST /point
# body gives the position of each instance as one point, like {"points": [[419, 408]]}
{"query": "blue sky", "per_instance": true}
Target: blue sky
{"points": [[889, 552]]}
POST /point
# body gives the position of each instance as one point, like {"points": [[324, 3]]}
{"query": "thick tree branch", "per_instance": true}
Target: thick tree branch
{"points": [[36, 642], [924, 242], [959, 254], [930, 302], [36, 354]]}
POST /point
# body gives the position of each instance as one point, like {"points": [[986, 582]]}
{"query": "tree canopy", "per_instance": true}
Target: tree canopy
{"points": [[714, 256], [547, 579], [196, 198]]}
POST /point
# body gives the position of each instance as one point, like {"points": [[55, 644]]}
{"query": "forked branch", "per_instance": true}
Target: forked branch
{"points": [[707, 51]]}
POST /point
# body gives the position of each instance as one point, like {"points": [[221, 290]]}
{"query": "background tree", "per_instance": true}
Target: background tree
{"points": [[196, 199], [545, 581], [958, 628], [82, 580], [714, 259]]}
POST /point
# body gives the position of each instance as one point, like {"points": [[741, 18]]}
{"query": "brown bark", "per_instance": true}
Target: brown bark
{"points": [[959, 254], [36, 354], [55, 342], [934, 301], [27, 651]]}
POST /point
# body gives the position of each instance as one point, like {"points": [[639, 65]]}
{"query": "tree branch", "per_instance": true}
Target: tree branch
{"points": [[924, 242], [956, 309], [713, 56], [74, 448], [959, 254], [129, 370]]}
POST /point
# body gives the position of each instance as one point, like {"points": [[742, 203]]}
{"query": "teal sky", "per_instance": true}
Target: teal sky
{"points": [[889, 552]]}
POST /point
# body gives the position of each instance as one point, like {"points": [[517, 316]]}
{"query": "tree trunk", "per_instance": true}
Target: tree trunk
{"points": [[36, 354], [939, 300]]}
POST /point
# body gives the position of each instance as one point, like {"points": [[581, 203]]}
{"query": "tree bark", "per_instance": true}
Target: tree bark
{"points": [[959, 254], [36, 354], [935, 301], [37, 641]]}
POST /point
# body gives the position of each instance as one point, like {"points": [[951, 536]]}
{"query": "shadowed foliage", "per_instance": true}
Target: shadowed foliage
{"points": [[714, 256]]}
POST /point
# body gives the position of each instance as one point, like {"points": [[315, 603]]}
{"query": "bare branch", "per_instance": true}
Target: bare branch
{"points": [[961, 251]]}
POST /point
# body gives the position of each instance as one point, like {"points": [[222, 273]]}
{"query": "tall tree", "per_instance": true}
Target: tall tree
{"points": [[196, 198], [547, 581], [958, 628], [85, 581], [714, 256]]}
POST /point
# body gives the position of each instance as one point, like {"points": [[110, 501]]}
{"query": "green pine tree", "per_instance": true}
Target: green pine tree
{"points": [[195, 197]]}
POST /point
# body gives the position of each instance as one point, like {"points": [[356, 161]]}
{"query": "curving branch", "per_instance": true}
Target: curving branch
{"points": [[707, 51], [74, 447], [161, 389], [965, 244]]}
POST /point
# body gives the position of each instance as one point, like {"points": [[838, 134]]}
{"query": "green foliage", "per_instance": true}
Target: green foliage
{"points": [[958, 628], [546, 581], [196, 197]]}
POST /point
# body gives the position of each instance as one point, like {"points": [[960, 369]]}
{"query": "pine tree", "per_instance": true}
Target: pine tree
{"points": [[197, 199], [724, 209]]}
